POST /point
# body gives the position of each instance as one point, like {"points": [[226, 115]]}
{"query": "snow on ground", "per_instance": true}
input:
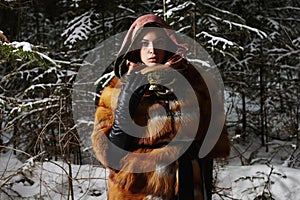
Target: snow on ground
{"points": [[248, 182], [50, 180]]}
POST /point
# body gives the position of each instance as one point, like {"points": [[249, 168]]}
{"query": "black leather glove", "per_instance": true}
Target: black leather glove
{"points": [[129, 98]]}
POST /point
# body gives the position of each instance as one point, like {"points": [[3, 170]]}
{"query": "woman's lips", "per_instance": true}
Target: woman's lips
{"points": [[152, 59]]}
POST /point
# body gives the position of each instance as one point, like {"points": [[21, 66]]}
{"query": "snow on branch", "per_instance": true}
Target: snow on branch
{"points": [[2, 101], [273, 23], [222, 11], [29, 49], [289, 54], [104, 80], [46, 58], [260, 33], [296, 42], [178, 8], [125, 8], [58, 73], [26, 46], [214, 40], [36, 103], [42, 85], [287, 8], [182, 29], [79, 28], [30, 112]]}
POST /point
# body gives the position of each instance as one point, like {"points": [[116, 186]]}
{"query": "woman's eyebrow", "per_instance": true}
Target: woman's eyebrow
{"points": [[159, 38]]}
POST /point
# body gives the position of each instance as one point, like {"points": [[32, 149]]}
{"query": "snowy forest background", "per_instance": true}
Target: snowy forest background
{"points": [[255, 45]]}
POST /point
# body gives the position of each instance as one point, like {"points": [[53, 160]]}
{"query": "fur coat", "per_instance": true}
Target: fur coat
{"points": [[162, 182]]}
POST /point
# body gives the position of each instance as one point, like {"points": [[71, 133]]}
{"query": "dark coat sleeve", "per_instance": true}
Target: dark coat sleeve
{"points": [[129, 98]]}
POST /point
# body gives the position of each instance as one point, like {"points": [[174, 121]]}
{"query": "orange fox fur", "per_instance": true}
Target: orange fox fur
{"points": [[162, 182]]}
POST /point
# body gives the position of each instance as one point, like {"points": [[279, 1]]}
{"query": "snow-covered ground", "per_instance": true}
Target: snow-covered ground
{"points": [[248, 182], [50, 180], [53, 180]]}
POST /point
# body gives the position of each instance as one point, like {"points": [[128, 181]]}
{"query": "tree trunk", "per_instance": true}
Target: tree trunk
{"points": [[244, 116], [262, 101]]}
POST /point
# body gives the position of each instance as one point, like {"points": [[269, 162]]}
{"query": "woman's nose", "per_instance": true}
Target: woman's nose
{"points": [[151, 48]]}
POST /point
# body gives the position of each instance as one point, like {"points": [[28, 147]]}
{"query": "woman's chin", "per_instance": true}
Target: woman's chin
{"points": [[151, 64]]}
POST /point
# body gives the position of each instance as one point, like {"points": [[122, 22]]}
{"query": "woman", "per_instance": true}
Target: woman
{"points": [[147, 133]]}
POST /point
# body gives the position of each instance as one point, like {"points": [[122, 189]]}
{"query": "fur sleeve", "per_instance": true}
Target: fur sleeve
{"points": [[103, 122], [205, 98]]}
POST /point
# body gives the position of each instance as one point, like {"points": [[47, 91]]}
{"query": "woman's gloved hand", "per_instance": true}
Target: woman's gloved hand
{"points": [[128, 100]]}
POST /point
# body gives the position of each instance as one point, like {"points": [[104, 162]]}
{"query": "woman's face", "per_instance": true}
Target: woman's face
{"points": [[153, 45]]}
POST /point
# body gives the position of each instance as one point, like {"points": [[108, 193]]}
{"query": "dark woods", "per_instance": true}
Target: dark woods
{"points": [[254, 44]]}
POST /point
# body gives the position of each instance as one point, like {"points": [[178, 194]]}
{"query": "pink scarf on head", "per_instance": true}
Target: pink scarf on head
{"points": [[120, 66]]}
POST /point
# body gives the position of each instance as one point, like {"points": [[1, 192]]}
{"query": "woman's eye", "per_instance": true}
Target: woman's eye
{"points": [[160, 43], [144, 44]]}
